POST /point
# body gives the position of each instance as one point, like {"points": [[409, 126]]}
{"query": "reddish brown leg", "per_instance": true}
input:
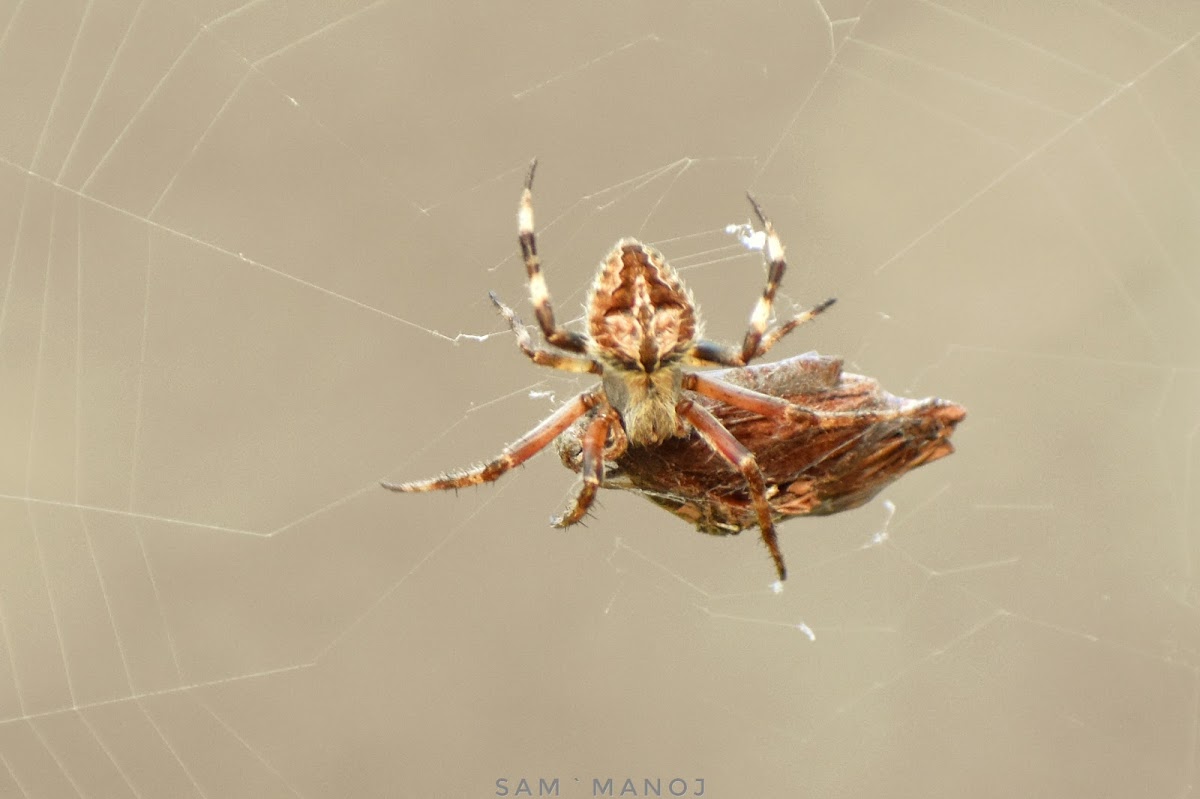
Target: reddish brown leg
{"points": [[834, 420], [555, 360], [592, 471], [746, 398], [778, 408], [722, 442], [620, 441], [513, 455]]}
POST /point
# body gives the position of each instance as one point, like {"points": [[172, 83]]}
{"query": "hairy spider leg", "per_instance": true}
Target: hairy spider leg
{"points": [[514, 454], [747, 399], [773, 407], [539, 294], [543, 357], [759, 340], [592, 471], [722, 442]]}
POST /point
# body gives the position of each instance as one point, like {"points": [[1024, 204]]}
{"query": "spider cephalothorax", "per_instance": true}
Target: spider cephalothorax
{"points": [[642, 331]]}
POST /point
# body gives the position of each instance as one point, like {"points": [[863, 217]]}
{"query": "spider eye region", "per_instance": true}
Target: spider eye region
{"points": [[640, 316]]}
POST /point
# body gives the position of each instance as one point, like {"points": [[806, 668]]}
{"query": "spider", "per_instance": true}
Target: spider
{"points": [[642, 330]]}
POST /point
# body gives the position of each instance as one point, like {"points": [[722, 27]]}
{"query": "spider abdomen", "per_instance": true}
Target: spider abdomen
{"points": [[640, 316]]}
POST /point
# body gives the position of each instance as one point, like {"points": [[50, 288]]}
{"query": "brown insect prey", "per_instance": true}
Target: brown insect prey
{"points": [[833, 462]]}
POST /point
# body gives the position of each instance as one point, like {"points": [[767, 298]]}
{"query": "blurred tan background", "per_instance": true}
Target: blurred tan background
{"points": [[245, 250]]}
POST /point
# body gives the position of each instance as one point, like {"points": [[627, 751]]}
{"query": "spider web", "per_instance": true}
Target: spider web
{"points": [[244, 255]]}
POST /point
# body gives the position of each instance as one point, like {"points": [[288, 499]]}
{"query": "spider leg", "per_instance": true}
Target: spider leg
{"points": [[747, 399], [710, 353], [592, 471], [772, 337], [759, 340], [555, 360], [539, 295], [834, 420], [620, 442], [513, 455], [754, 344], [722, 442], [779, 408]]}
